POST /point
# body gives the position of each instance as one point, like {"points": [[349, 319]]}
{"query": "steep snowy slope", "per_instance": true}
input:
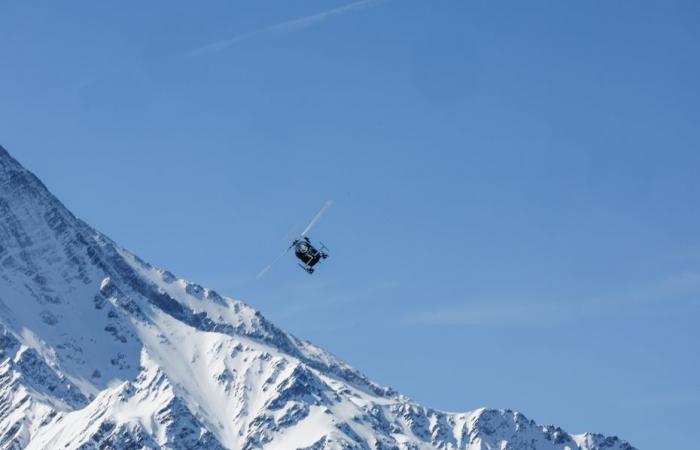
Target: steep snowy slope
{"points": [[99, 349]]}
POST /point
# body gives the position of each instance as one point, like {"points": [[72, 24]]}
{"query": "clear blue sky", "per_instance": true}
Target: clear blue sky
{"points": [[516, 184]]}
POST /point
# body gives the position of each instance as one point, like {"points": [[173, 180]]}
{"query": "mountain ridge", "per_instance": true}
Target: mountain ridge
{"points": [[99, 349]]}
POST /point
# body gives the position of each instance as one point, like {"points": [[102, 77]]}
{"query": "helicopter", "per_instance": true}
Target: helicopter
{"points": [[304, 250], [308, 254]]}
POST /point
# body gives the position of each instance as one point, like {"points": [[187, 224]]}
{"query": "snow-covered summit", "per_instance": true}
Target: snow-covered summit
{"points": [[99, 349]]}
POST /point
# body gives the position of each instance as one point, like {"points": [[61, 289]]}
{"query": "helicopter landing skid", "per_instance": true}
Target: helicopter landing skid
{"points": [[308, 270], [324, 255]]}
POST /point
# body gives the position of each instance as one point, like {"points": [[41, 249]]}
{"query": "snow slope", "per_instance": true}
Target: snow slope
{"points": [[99, 349]]}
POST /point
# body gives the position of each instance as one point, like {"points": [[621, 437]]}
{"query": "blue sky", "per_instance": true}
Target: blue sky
{"points": [[515, 184]]}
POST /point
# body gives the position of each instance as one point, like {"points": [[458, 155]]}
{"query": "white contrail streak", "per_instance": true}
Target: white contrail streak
{"points": [[283, 27]]}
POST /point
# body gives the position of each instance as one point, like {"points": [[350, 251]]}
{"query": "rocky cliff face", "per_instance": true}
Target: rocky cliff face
{"points": [[98, 349]]}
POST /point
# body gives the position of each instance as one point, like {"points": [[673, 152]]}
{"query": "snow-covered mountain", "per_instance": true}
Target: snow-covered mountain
{"points": [[99, 349]]}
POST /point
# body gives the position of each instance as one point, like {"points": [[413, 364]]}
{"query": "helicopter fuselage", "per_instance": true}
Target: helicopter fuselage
{"points": [[308, 254]]}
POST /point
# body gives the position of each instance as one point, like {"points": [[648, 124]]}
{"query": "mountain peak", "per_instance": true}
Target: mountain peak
{"points": [[99, 349]]}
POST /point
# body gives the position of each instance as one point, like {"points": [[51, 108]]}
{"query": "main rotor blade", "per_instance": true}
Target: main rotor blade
{"points": [[262, 272], [316, 217]]}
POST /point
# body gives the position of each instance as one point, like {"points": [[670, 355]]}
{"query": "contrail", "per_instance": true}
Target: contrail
{"points": [[283, 27]]}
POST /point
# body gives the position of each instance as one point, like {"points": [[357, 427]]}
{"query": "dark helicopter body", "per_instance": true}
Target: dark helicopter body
{"points": [[308, 254], [304, 249]]}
